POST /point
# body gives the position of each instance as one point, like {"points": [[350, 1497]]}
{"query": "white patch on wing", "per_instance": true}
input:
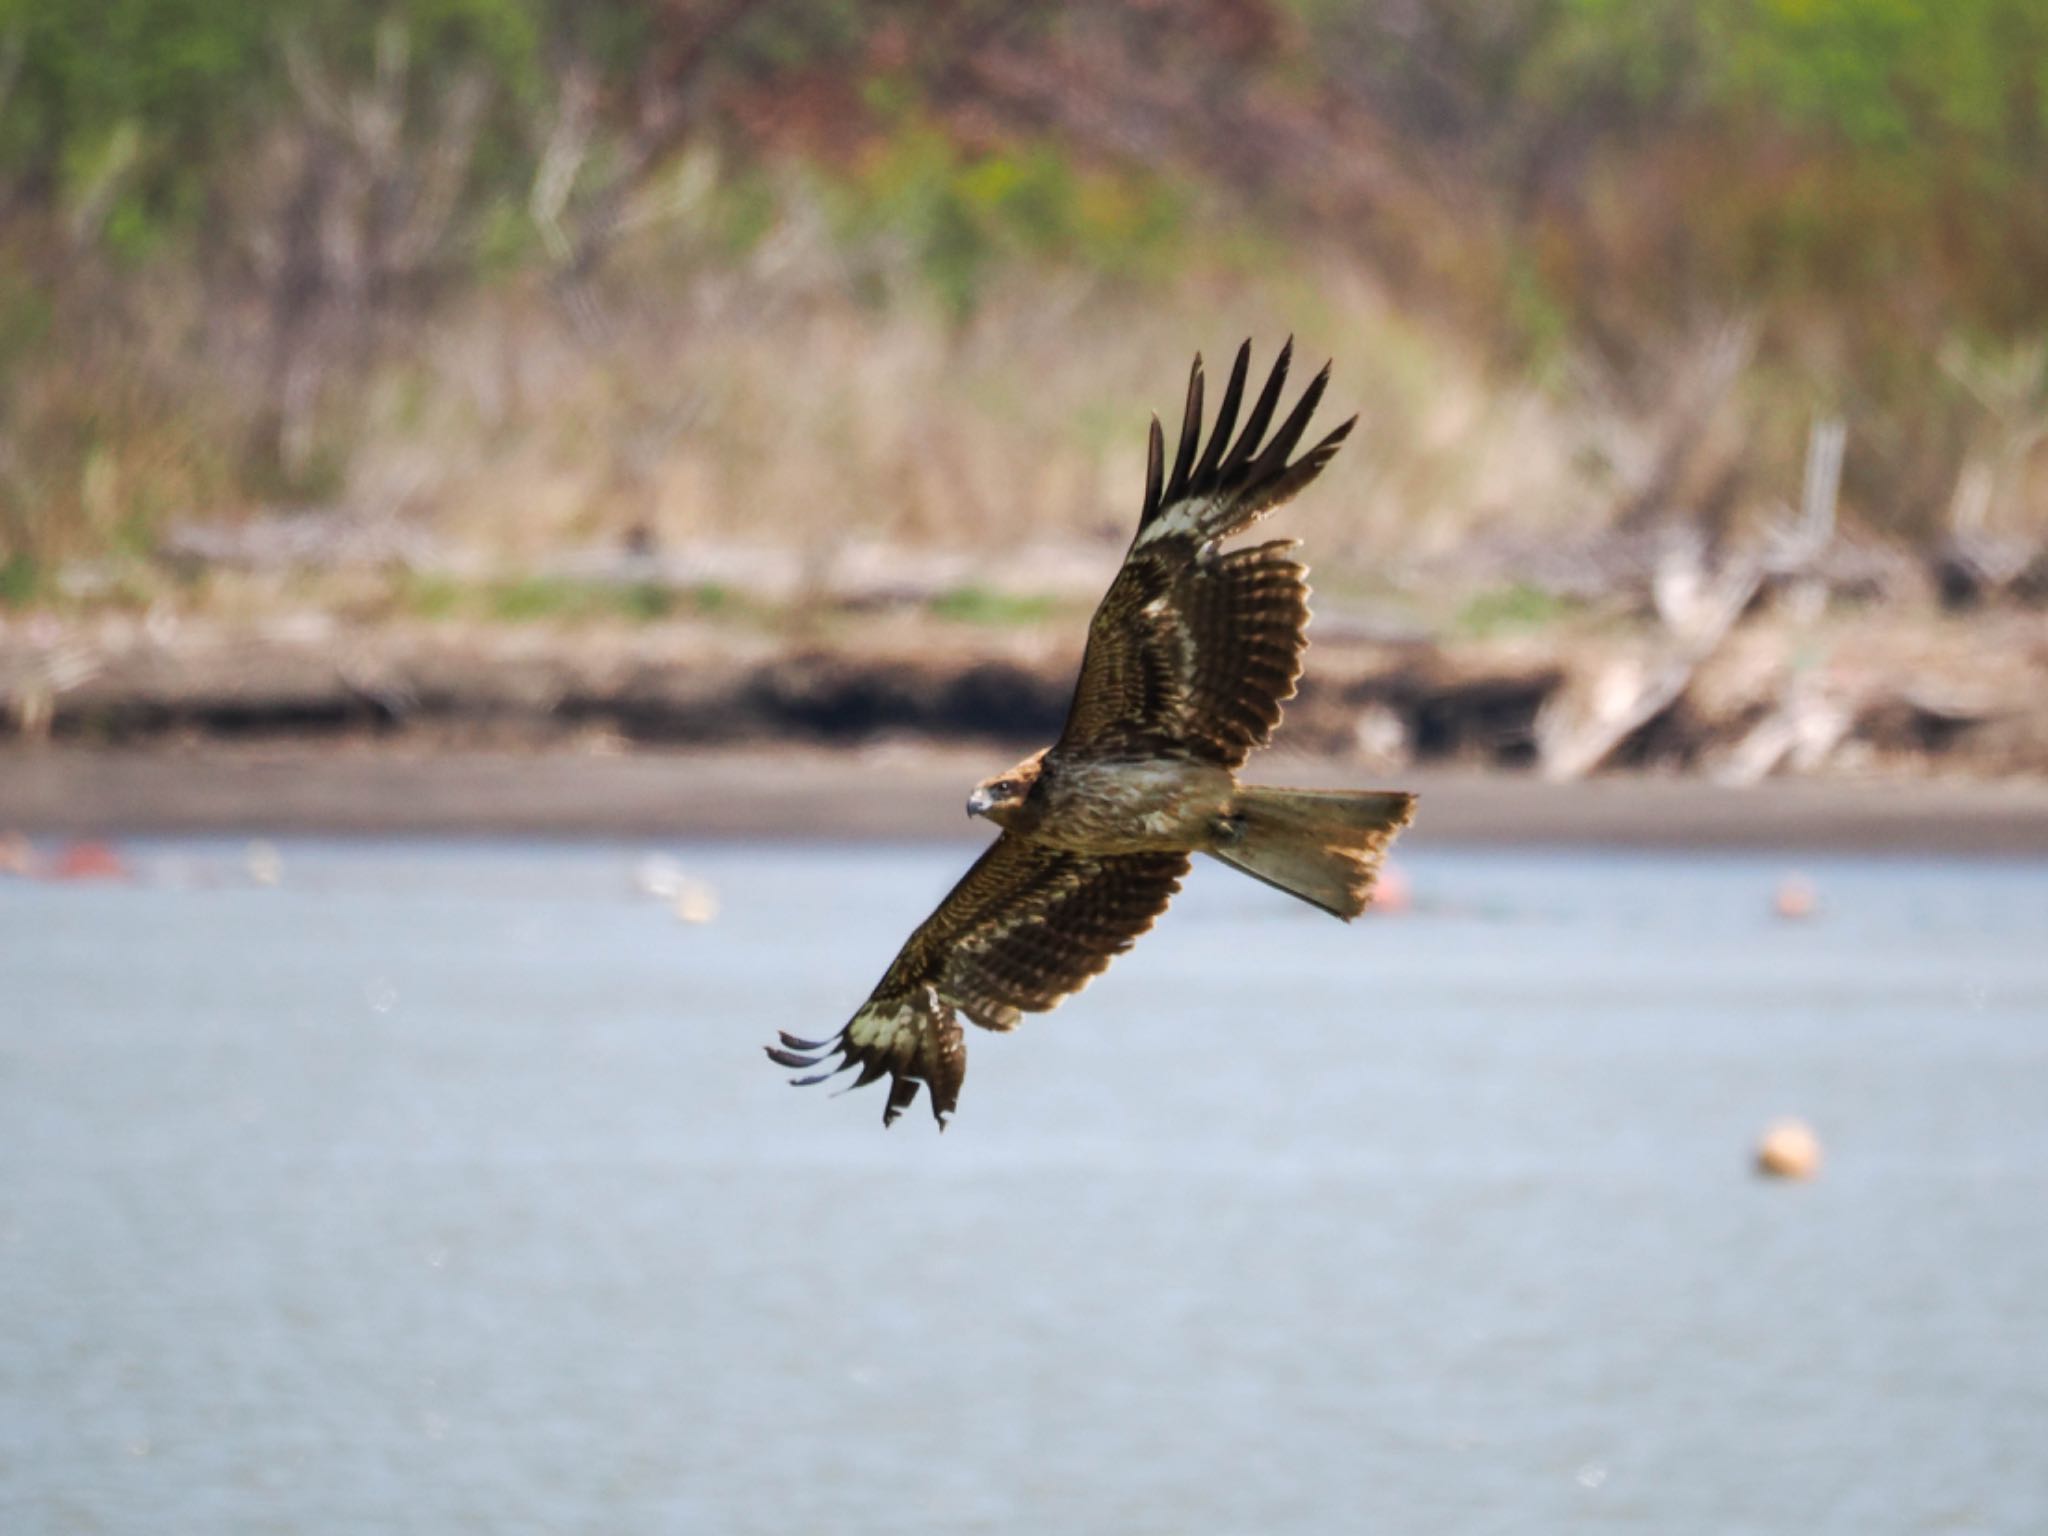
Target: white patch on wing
{"points": [[999, 1017], [1183, 519], [876, 1027]]}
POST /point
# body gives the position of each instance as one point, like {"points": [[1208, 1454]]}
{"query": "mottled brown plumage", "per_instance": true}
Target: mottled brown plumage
{"points": [[1027, 925], [1190, 656]]}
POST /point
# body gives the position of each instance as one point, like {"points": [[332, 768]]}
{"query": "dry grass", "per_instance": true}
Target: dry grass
{"points": [[786, 400], [753, 412]]}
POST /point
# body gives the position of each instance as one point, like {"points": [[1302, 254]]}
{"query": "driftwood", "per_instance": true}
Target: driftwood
{"points": [[1804, 728], [1584, 726], [1991, 549], [1698, 608], [1809, 718]]}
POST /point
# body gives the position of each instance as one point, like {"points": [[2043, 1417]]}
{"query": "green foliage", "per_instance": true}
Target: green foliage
{"points": [[1573, 177], [645, 601], [962, 214], [21, 581], [744, 211], [777, 38], [1644, 54], [1506, 610], [432, 597], [566, 599], [538, 598], [979, 605], [143, 104], [1538, 327], [25, 318], [1890, 74]]}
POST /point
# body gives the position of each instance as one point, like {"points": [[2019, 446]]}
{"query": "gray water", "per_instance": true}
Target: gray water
{"points": [[445, 1190]]}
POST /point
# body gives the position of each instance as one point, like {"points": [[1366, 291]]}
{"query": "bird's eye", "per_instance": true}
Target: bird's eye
{"points": [[1006, 787]]}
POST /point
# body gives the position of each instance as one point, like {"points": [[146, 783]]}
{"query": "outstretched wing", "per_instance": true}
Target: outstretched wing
{"points": [[1026, 926], [1189, 649]]}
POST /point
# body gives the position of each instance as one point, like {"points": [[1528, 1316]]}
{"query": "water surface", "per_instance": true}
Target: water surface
{"points": [[445, 1189]]}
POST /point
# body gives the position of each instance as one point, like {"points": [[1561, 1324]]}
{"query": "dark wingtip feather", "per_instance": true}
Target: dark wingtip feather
{"points": [[1304, 469], [1226, 418], [1273, 457], [1190, 435], [1326, 449], [1233, 481], [902, 1094], [1155, 472], [1262, 412], [868, 1074], [789, 1059]]}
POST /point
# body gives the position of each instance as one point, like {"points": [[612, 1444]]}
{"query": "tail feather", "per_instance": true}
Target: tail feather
{"points": [[1321, 845]]}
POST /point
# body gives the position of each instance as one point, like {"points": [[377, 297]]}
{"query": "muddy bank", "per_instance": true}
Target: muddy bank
{"points": [[902, 792], [1860, 697]]}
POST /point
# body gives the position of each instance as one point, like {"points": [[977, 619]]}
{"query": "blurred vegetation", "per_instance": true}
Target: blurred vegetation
{"points": [[1505, 610], [562, 599], [978, 605], [285, 254]]}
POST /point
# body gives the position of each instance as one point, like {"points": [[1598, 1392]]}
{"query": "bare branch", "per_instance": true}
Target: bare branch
{"points": [[316, 93], [562, 156], [444, 168]]}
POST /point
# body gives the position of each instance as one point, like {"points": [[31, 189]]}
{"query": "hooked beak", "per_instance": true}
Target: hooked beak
{"points": [[979, 803]]}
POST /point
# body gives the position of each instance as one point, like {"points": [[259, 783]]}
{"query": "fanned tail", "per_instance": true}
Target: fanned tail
{"points": [[1324, 846]]}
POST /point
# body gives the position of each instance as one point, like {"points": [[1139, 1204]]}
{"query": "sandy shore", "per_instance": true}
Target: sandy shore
{"points": [[917, 793]]}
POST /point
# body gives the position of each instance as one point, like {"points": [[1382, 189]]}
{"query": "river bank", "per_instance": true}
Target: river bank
{"points": [[1858, 731], [905, 792], [1853, 694]]}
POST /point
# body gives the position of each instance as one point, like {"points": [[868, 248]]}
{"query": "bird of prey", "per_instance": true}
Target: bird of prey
{"points": [[1189, 657]]}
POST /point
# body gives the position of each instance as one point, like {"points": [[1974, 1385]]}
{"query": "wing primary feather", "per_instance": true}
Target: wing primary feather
{"points": [[1309, 465], [1190, 435], [868, 1074], [1327, 448], [1155, 466], [820, 1077], [1273, 457], [801, 1045], [1262, 412], [1226, 418], [902, 1094]]}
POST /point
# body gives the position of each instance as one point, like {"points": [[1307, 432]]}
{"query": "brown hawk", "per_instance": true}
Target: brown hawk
{"points": [[1189, 657]]}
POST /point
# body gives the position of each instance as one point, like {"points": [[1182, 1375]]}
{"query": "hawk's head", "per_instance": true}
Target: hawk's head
{"points": [[1001, 798]]}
